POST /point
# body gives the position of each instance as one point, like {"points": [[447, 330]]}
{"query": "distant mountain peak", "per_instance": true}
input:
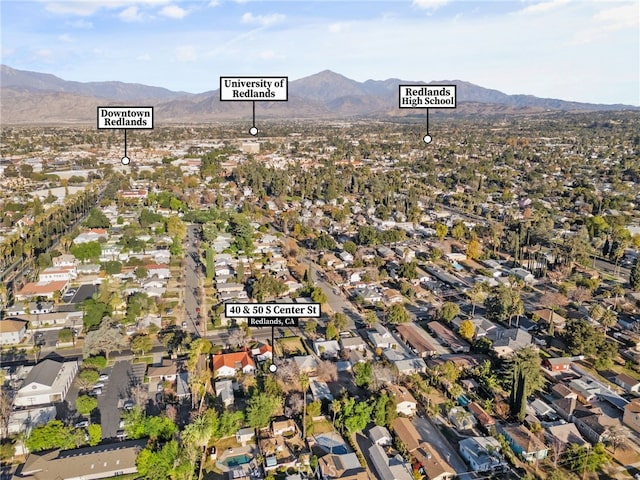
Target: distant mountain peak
{"points": [[32, 97]]}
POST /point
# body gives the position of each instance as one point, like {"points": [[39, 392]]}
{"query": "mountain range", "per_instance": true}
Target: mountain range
{"points": [[41, 98]]}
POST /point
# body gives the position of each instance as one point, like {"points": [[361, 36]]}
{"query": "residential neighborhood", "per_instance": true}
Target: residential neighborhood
{"points": [[480, 313]]}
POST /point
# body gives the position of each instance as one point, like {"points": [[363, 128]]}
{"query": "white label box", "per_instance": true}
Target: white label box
{"points": [[272, 310], [427, 96], [254, 89], [112, 118]]}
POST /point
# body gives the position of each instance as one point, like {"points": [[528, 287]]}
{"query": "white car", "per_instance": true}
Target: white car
{"points": [[98, 385], [103, 377], [82, 424]]}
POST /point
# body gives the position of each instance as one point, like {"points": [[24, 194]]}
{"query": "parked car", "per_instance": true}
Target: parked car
{"points": [[99, 385], [97, 391], [103, 377], [184, 324], [121, 434], [84, 423], [128, 405]]}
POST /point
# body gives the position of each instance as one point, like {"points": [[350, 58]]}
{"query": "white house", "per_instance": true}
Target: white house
{"points": [[327, 348], [12, 331], [405, 402], [481, 453], [47, 382], [93, 235], [158, 270], [54, 274]]}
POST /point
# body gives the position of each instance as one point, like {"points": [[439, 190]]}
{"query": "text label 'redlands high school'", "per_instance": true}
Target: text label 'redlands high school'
{"points": [[125, 117], [427, 96]]}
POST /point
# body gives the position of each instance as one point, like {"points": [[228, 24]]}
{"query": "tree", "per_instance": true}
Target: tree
{"points": [[441, 231], [634, 276], [526, 378], [87, 377], [199, 433], [95, 434], [474, 249], [341, 320], [370, 318], [397, 313], [609, 319], [141, 344], [408, 270], [331, 331], [106, 339], [355, 416], [153, 465], [261, 407], [450, 311], [503, 304], [363, 374], [5, 412], [475, 294], [86, 251], [310, 328], [86, 404], [304, 385], [51, 435], [350, 247], [176, 228], [267, 286], [229, 423], [467, 329]]}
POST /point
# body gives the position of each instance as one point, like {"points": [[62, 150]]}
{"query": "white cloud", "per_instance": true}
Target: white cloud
{"points": [[89, 7], [185, 53], [65, 38], [214, 3], [145, 57], [270, 55], [619, 18], [543, 7], [263, 20], [81, 24], [430, 4], [45, 55], [606, 22], [173, 11], [338, 27], [131, 14]]}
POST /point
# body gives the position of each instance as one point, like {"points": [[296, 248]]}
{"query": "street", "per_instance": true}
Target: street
{"points": [[192, 284]]}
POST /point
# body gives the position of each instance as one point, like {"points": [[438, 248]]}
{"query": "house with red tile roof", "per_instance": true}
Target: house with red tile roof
{"points": [[41, 289], [229, 364]]}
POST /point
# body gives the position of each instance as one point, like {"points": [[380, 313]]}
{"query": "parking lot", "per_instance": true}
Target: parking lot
{"points": [[82, 293], [122, 376]]}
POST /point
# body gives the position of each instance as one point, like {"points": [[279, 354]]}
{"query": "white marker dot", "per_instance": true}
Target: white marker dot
{"points": [[125, 160], [273, 367], [427, 139], [253, 131]]}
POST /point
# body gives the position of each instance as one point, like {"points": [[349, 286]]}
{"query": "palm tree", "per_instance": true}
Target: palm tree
{"points": [[198, 434], [609, 319], [304, 384], [475, 295], [336, 406], [596, 312]]}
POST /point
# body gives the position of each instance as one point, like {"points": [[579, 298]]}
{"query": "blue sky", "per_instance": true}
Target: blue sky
{"points": [[582, 50]]}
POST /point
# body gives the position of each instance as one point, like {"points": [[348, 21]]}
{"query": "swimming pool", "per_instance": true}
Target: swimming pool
{"points": [[235, 461]]}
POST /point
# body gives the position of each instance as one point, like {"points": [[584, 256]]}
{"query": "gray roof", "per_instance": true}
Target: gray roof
{"points": [[44, 373], [100, 461]]}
